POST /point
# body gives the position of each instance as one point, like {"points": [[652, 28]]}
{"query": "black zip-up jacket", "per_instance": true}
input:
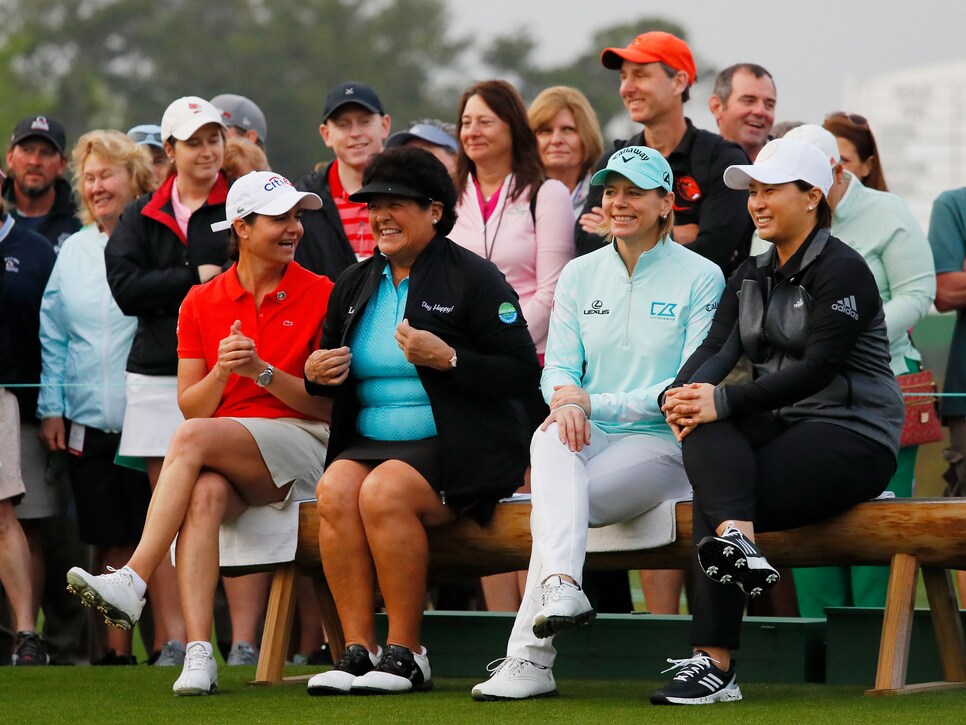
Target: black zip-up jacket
{"points": [[815, 333], [324, 247], [151, 267], [480, 421], [61, 221], [700, 197]]}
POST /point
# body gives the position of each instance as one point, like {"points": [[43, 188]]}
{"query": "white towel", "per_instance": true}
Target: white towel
{"points": [[650, 530]]}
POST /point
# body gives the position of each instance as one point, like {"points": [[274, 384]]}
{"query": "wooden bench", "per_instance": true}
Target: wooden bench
{"points": [[907, 534]]}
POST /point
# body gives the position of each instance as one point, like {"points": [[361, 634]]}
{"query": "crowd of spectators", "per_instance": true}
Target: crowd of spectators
{"points": [[136, 356]]}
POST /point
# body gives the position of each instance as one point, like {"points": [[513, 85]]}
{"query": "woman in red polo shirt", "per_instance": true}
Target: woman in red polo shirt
{"points": [[252, 435]]}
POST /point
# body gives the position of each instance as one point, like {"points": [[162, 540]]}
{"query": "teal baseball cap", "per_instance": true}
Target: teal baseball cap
{"points": [[641, 165]]}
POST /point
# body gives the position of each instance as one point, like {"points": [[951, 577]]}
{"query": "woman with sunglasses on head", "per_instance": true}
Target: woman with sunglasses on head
{"points": [[857, 148], [604, 454], [815, 431], [252, 436], [881, 227]]}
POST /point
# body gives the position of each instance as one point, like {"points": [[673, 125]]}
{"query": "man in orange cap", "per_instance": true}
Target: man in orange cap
{"points": [[656, 74]]}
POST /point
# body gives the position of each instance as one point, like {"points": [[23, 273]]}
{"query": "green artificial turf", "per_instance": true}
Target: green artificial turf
{"points": [[142, 696]]}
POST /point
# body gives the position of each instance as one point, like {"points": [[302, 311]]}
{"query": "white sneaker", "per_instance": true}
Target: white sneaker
{"points": [[515, 679], [564, 606], [110, 594], [400, 670], [200, 673], [356, 661]]}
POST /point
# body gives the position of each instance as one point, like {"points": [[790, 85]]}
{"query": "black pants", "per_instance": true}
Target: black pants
{"points": [[780, 477]]}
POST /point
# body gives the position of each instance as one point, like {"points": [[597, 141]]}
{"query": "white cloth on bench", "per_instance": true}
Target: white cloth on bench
{"points": [[651, 529]]}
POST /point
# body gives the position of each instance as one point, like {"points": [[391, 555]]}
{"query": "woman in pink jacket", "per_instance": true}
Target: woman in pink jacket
{"points": [[510, 213]]}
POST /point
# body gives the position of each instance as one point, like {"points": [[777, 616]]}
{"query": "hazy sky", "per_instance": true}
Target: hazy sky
{"points": [[809, 47]]}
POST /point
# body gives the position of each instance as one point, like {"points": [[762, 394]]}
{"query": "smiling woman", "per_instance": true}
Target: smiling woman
{"points": [[84, 338], [253, 435], [817, 429], [426, 354]]}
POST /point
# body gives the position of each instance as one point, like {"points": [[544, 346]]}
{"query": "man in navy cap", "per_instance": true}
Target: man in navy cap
{"points": [[355, 126], [36, 192]]}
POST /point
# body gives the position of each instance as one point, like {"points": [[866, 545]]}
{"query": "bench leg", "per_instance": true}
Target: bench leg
{"points": [[278, 626], [890, 675], [330, 617], [946, 623]]}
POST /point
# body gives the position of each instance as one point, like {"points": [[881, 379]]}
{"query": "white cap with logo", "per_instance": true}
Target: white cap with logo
{"points": [[264, 192], [186, 115], [782, 161]]}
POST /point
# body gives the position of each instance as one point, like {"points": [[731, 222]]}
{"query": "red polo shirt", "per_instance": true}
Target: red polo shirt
{"points": [[354, 215], [286, 330]]}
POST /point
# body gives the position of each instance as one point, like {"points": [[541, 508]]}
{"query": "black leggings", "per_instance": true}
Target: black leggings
{"points": [[780, 477]]}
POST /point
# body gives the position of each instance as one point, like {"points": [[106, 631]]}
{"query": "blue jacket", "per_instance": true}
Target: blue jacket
{"points": [[85, 338], [622, 338]]}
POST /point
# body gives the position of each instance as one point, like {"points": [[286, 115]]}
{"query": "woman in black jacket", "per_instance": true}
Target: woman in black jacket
{"points": [[161, 247], [814, 433], [427, 355]]}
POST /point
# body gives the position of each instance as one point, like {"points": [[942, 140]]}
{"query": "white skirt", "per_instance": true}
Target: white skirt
{"points": [[293, 450], [152, 415]]}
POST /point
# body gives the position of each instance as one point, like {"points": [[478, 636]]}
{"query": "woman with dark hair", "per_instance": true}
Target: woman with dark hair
{"points": [[815, 431], [513, 215], [857, 148], [426, 353], [568, 138], [252, 436]]}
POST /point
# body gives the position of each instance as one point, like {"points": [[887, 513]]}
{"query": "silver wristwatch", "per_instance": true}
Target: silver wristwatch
{"points": [[453, 360], [265, 377]]}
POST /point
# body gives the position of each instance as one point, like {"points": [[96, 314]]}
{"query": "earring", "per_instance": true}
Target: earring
{"points": [[811, 208], [434, 221], [664, 218]]}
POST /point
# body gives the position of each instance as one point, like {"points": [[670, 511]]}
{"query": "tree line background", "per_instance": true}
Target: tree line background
{"points": [[117, 63]]}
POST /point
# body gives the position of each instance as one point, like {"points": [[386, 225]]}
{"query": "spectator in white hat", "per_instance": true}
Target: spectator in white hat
{"points": [[881, 227], [161, 247], [253, 435]]}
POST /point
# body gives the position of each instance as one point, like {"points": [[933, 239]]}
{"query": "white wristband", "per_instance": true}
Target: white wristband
{"points": [[571, 405]]}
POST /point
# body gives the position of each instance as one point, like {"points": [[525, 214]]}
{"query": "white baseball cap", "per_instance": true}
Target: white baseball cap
{"points": [[264, 192], [817, 136], [781, 161], [186, 115]]}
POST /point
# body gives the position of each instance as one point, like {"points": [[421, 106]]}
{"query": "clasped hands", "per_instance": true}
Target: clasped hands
{"points": [[688, 406], [420, 347], [237, 354]]}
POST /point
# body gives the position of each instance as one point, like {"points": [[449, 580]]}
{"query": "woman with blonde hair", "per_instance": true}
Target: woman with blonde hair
{"points": [[85, 340], [568, 138]]}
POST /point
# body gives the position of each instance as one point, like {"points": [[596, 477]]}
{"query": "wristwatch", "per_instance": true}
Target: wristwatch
{"points": [[265, 377], [453, 360]]}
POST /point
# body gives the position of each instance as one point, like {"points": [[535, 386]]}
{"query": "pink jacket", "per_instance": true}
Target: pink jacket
{"points": [[531, 256]]}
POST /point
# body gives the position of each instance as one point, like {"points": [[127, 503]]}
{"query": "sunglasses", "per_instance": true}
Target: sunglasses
{"points": [[854, 118], [146, 137]]}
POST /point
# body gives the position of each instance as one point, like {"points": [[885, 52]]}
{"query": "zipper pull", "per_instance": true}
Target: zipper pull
{"points": [[442, 496]]}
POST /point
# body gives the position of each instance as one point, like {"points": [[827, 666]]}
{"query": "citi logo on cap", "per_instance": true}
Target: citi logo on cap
{"points": [[275, 182], [40, 124], [194, 107]]}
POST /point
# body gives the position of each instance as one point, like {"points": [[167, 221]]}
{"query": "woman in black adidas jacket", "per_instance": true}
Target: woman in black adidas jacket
{"points": [[814, 433], [454, 443]]}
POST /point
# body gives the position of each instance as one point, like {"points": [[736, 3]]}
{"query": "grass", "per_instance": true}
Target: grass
{"points": [[142, 696]]}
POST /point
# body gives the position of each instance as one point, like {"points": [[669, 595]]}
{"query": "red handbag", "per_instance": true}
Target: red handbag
{"points": [[922, 423]]}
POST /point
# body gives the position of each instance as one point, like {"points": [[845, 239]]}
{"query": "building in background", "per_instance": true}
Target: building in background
{"points": [[918, 116]]}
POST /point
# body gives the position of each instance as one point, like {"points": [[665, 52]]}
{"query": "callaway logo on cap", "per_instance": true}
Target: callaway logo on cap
{"points": [[641, 165]]}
